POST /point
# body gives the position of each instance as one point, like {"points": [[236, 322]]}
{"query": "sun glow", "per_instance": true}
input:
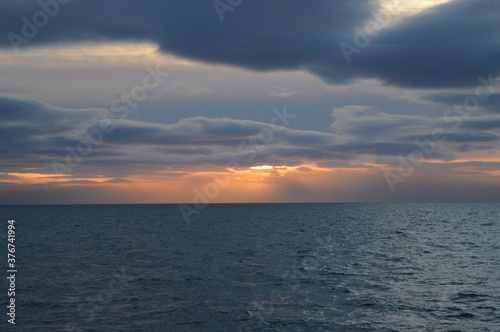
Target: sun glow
{"points": [[30, 177], [40, 178], [262, 167], [400, 8], [92, 54]]}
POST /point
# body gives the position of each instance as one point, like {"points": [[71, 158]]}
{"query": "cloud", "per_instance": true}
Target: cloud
{"points": [[470, 137], [75, 182], [184, 88], [367, 123], [490, 103], [41, 117], [466, 147], [44, 134], [282, 39], [7, 176], [363, 122], [281, 92], [447, 46], [118, 181], [202, 131], [368, 131], [30, 127], [37, 134]]}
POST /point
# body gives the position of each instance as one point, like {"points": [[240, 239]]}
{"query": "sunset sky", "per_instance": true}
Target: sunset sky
{"points": [[249, 101]]}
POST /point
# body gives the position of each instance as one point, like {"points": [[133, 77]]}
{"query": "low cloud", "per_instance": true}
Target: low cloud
{"points": [[42, 134], [364, 122], [490, 104]]}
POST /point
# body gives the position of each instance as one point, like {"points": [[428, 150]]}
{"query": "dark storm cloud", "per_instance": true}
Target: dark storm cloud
{"points": [[260, 35], [447, 46]]}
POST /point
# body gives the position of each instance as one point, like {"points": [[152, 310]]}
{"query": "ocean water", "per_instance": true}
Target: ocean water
{"points": [[255, 267]]}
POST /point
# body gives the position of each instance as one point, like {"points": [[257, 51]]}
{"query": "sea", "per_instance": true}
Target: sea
{"points": [[254, 267]]}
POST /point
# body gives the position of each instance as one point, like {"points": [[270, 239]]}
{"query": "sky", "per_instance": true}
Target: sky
{"points": [[228, 101]]}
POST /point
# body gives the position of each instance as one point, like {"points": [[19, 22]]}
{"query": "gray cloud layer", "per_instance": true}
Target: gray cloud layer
{"points": [[35, 134], [445, 47]]}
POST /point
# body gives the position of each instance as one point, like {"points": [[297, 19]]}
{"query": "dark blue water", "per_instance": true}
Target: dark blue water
{"points": [[256, 267]]}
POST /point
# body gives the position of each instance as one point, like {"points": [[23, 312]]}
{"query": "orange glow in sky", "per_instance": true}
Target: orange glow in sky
{"points": [[262, 167]]}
